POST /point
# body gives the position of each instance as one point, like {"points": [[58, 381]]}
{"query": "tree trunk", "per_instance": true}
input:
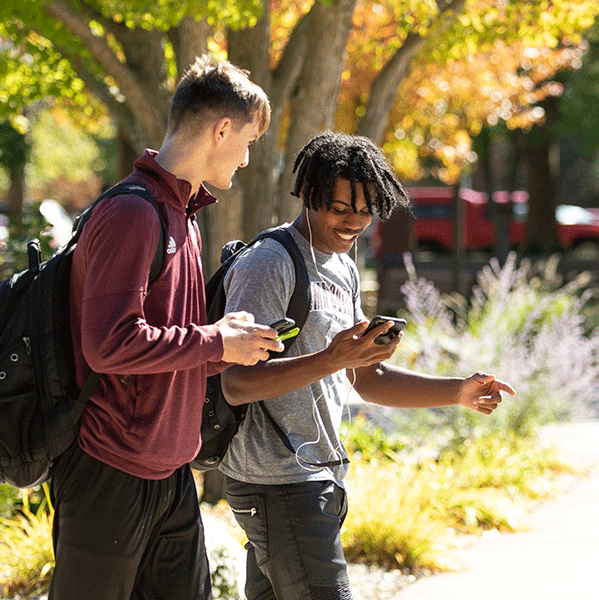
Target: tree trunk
{"points": [[541, 156], [306, 82], [127, 153], [249, 49], [541, 226], [314, 98], [384, 90], [16, 195], [147, 108], [214, 487], [189, 39], [220, 223]]}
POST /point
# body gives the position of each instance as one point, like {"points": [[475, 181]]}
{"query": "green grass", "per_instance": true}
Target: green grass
{"points": [[406, 511], [413, 515]]}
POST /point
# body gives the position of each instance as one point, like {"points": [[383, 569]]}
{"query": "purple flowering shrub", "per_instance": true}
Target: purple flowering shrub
{"points": [[522, 324]]}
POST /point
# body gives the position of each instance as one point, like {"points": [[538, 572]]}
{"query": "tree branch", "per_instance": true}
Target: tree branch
{"points": [[189, 39], [384, 88], [291, 62], [140, 104]]}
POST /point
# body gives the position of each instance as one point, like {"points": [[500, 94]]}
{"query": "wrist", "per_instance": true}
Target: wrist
{"points": [[330, 360], [461, 399]]}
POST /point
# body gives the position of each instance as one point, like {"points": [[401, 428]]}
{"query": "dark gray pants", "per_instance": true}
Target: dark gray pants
{"points": [[294, 547], [120, 537]]}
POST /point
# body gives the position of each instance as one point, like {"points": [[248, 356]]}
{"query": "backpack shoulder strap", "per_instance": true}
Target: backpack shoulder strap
{"points": [[116, 190], [156, 267], [299, 303]]}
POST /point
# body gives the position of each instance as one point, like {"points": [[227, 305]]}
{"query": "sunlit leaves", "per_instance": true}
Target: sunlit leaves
{"points": [[36, 49], [165, 14], [72, 152], [32, 68], [284, 15], [449, 105], [579, 109], [492, 65]]}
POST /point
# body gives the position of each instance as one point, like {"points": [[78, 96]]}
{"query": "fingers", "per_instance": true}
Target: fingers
{"points": [[253, 358], [245, 342], [244, 322], [487, 404], [485, 378], [506, 387], [240, 315], [377, 330], [250, 350], [355, 331]]}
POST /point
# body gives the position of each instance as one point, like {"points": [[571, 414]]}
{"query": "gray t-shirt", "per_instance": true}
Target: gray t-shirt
{"points": [[261, 282]]}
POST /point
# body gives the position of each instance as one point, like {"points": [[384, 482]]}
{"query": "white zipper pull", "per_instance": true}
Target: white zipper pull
{"points": [[252, 511]]}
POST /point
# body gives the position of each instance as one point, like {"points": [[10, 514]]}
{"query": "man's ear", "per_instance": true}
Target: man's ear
{"points": [[222, 129]]}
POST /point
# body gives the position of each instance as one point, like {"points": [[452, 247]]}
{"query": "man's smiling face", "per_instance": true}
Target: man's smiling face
{"points": [[336, 229]]}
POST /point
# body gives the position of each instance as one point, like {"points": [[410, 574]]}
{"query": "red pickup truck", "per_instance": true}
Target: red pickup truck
{"points": [[433, 228]]}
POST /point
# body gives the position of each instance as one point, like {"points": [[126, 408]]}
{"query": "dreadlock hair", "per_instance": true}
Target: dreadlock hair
{"points": [[356, 158]]}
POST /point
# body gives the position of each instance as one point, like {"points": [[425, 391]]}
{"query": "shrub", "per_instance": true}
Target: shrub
{"points": [[26, 555], [225, 555], [521, 324], [9, 496], [408, 512], [27, 559], [391, 522], [367, 441], [13, 256]]}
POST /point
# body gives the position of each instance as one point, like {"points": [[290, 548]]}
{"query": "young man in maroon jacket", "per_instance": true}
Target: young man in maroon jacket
{"points": [[127, 522]]}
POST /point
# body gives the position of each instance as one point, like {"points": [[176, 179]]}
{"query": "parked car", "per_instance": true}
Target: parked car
{"points": [[433, 228]]}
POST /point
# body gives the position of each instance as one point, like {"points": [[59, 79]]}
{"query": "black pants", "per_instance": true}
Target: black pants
{"points": [[119, 537], [294, 547]]}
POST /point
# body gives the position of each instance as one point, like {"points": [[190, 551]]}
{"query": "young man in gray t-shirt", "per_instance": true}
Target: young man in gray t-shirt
{"points": [[292, 505]]}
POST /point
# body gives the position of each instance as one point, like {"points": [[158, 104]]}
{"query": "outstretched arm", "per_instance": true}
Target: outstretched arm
{"points": [[389, 385]]}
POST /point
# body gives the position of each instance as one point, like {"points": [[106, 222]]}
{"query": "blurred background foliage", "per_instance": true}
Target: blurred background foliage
{"points": [[85, 87], [423, 79], [422, 480]]}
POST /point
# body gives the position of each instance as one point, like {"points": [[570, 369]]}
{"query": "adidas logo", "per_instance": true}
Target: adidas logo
{"points": [[172, 247]]}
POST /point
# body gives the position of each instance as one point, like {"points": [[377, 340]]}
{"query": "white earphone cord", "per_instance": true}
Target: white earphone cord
{"points": [[337, 451]]}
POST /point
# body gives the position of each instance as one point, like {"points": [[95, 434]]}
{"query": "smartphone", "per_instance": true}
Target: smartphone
{"points": [[398, 325], [286, 329]]}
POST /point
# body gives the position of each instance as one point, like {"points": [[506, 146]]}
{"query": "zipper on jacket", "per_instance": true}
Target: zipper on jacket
{"points": [[27, 343]]}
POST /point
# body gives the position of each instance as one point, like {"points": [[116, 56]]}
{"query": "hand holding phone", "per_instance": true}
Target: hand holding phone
{"points": [[286, 329], [398, 325]]}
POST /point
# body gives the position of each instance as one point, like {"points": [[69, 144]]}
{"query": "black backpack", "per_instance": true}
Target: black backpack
{"points": [[221, 420], [40, 405]]}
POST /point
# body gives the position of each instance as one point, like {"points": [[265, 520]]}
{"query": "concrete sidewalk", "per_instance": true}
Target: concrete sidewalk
{"points": [[558, 559]]}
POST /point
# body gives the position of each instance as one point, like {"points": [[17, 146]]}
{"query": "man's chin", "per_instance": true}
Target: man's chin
{"points": [[220, 185]]}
